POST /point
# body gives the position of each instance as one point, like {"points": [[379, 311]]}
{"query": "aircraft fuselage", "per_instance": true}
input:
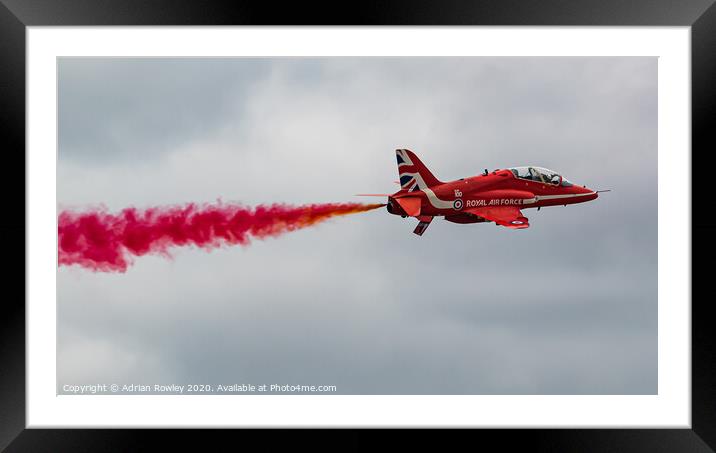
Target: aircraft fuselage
{"points": [[499, 188]]}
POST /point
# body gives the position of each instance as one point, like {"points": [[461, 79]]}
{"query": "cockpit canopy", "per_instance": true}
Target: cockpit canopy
{"points": [[539, 174]]}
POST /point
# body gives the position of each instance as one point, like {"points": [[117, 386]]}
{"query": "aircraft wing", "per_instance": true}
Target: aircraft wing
{"points": [[507, 216]]}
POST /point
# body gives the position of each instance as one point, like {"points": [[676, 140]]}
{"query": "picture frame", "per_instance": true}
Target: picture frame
{"points": [[16, 15]]}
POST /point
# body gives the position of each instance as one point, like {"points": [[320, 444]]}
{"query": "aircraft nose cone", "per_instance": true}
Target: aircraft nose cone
{"points": [[590, 194]]}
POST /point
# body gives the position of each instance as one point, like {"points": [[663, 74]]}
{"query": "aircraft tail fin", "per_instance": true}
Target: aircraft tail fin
{"points": [[413, 174]]}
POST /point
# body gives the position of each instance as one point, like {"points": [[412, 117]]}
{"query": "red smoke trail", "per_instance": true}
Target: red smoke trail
{"points": [[101, 241]]}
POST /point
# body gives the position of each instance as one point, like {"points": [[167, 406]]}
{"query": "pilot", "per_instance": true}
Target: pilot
{"points": [[534, 175]]}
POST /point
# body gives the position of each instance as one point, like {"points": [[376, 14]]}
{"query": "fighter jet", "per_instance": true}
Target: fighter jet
{"points": [[498, 196]]}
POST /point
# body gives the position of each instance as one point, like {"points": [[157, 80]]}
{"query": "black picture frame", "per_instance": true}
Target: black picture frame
{"points": [[16, 15]]}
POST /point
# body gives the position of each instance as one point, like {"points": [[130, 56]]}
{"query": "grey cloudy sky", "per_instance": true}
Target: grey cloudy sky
{"points": [[567, 306]]}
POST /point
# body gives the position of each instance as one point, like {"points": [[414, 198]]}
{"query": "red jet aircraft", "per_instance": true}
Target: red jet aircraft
{"points": [[489, 197]]}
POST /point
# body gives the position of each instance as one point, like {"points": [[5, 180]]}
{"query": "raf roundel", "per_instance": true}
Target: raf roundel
{"points": [[457, 204]]}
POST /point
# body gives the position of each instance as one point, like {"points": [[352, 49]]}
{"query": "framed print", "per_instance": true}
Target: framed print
{"points": [[216, 235]]}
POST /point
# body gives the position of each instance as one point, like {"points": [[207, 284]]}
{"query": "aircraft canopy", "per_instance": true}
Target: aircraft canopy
{"points": [[539, 174]]}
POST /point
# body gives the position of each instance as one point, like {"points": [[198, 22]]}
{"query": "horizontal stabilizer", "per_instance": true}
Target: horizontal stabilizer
{"points": [[411, 205], [423, 225], [372, 195]]}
